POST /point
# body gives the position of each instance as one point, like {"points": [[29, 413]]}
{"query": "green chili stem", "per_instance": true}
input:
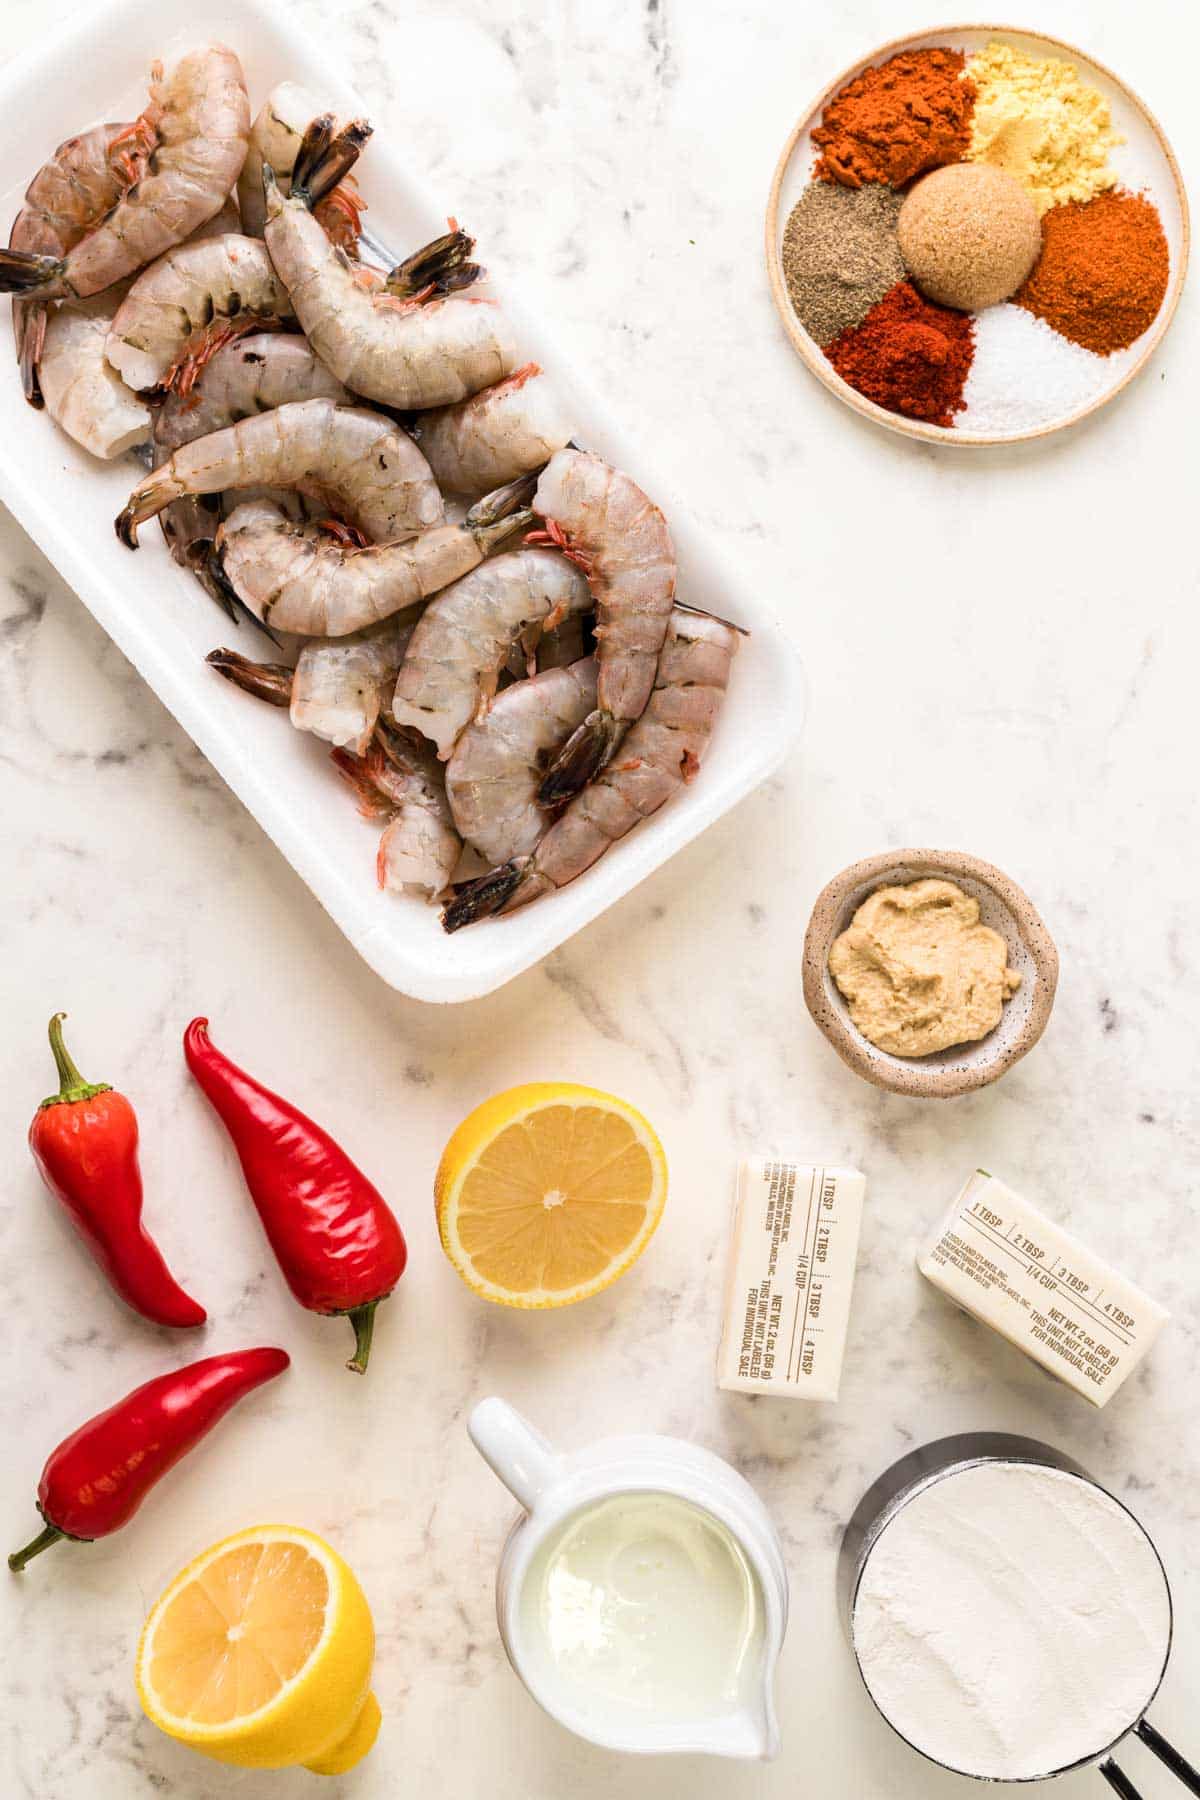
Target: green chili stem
{"points": [[363, 1320], [48, 1535], [72, 1086]]}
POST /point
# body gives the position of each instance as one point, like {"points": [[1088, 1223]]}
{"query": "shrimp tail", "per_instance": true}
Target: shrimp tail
{"points": [[149, 497], [271, 682], [480, 898], [31, 272], [581, 758], [29, 330], [439, 267], [325, 157], [503, 514]]}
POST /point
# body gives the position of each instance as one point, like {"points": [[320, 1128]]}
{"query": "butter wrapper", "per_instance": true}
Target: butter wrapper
{"points": [[1011, 1267], [791, 1276]]}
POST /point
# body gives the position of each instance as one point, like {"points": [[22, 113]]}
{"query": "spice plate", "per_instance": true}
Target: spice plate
{"points": [[95, 68], [1061, 382]]}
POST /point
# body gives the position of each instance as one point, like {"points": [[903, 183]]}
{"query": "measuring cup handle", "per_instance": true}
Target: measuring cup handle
{"points": [[1118, 1780], [517, 1453], [1168, 1755]]}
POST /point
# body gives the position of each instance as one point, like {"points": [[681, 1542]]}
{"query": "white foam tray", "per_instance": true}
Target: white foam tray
{"points": [[96, 69]]}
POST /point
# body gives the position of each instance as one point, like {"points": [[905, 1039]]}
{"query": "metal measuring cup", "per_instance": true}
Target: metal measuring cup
{"points": [[948, 1456]]}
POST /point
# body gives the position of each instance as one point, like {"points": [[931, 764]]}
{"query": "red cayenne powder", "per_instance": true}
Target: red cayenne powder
{"points": [[908, 356]]}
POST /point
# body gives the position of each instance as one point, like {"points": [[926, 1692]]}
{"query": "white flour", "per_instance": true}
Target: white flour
{"points": [[1012, 1620], [1025, 374]]}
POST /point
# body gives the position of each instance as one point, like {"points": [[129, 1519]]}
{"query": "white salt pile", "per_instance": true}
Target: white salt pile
{"points": [[1025, 374]]}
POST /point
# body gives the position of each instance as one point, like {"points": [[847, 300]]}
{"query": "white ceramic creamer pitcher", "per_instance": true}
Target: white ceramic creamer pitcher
{"points": [[554, 1488]]}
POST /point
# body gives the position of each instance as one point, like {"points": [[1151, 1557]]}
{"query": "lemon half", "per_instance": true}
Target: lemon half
{"points": [[548, 1192], [260, 1654]]}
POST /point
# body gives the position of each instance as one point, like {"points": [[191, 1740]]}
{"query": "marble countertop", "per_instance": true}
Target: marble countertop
{"points": [[1002, 653]]}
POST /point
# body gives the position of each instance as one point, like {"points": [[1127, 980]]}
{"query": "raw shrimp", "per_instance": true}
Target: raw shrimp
{"points": [[607, 524], [364, 467], [405, 352], [253, 375], [275, 138], [249, 376], [83, 392], [194, 134], [505, 430], [296, 578], [465, 635], [419, 847], [492, 779], [188, 304], [66, 199], [338, 686], [660, 753]]}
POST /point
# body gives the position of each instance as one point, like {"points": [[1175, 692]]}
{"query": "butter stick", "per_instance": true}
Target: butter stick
{"points": [[1011, 1267], [791, 1275]]}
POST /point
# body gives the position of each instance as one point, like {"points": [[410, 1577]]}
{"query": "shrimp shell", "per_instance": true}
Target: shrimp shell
{"points": [[174, 307], [492, 778], [409, 354], [464, 638], [505, 430], [196, 128], [66, 199], [602, 518], [660, 753], [83, 393], [362, 465], [296, 578]]}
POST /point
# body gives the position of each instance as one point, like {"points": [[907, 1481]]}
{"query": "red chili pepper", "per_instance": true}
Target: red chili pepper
{"points": [[84, 1140], [98, 1477], [333, 1234]]}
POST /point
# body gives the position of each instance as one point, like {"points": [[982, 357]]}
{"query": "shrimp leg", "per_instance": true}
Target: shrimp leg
{"points": [[400, 779], [661, 752]]}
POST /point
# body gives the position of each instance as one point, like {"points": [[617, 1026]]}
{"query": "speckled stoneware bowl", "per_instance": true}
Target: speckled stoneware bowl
{"points": [[1002, 905]]}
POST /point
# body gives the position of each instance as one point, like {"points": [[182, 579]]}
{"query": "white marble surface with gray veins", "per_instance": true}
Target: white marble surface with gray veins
{"points": [[1002, 654]]}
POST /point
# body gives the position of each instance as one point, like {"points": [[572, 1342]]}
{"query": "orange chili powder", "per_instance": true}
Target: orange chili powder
{"points": [[893, 122], [1103, 271], [908, 356]]}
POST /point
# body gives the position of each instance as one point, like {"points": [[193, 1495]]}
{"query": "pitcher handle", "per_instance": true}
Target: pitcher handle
{"points": [[1168, 1755], [514, 1450], [1118, 1780]]}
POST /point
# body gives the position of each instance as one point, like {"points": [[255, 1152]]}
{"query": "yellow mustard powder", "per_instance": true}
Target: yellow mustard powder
{"points": [[1035, 118]]}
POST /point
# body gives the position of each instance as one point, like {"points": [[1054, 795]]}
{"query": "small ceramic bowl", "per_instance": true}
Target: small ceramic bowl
{"points": [[1002, 905]]}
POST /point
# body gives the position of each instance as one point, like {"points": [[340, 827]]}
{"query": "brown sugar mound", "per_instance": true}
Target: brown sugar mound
{"points": [[893, 122], [969, 235]]}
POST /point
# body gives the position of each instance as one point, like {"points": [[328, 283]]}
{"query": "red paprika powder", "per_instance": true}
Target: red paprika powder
{"points": [[1103, 271], [908, 356], [895, 121]]}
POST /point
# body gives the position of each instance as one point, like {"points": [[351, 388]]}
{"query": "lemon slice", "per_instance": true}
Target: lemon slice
{"points": [[546, 1193], [260, 1654]]}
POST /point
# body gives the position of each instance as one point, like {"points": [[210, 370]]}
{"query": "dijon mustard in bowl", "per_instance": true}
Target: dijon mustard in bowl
{"points": [[1000, 965]]}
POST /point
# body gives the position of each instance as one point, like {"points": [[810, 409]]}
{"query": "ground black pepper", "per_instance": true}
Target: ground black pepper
{"points": [[840, 255]]}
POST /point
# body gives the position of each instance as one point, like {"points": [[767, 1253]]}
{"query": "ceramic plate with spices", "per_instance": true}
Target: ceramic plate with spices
{"points": [[977, 235]]}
